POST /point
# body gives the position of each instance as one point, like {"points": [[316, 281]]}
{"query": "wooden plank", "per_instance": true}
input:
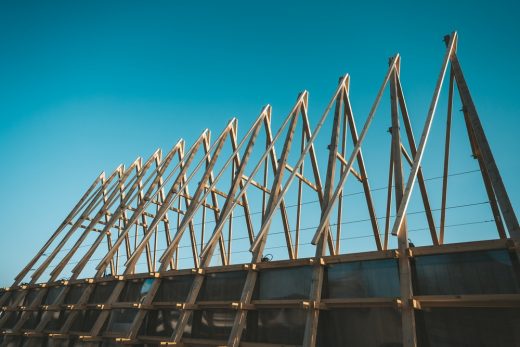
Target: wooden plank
{"points": [[446, 159], [424, 137], [359, 302], [311, 323], [405, 275], [362, 169], [478, 300], [413, 150], [462, 247]]}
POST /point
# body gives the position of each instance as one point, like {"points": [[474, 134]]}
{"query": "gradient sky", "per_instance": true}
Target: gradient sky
{"points": [[87, 85]]}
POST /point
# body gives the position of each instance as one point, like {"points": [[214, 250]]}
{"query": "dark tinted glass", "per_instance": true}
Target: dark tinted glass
{"points": [[222, 286], [468, 327], [359, 327], [57, 343], [212, 324], [290, 283], [362, 279], [74, 294], [32, 321], [29, 298], [84, 320], [173, 289], [52, 294], [33, 341], [121, 320], [11, 319], [101, 292], [281, 326], [131, 292], [483, 272], [57, 318], [160, 323]]}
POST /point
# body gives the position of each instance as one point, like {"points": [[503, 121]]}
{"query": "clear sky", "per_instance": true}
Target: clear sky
{"points": [[87, 85]]}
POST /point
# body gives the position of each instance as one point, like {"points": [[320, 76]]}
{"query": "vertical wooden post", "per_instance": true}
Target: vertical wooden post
{"points": [[405, 274], [311, 323]]}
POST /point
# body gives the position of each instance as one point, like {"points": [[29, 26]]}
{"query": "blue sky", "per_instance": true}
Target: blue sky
{"points": [[85, 86]]}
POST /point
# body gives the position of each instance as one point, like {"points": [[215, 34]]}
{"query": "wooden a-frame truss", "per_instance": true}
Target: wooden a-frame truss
{"points": [[116, 230]]}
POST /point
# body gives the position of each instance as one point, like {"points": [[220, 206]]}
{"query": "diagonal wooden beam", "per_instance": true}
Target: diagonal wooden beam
{"points": [[413, 150], [491, 174], [362, 170], [424, 137], [446, 158]]}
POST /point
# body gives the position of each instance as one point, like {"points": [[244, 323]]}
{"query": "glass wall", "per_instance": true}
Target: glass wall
{"points": [[482, 272], [468, 327], [288, 283], [362, 279]]}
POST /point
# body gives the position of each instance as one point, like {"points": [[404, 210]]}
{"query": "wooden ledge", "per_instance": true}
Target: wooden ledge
{"points": [[462, 247], [478, 300], [359, 302]]}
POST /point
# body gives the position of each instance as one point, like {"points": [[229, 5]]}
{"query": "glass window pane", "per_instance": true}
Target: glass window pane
{"points": [[121, 320], [56, 321], [32, 321], [133, 291], [102, 292], [29, 298], [84, 320], [11, 341], [160, 323], [74, 295], [14, 298], [468, 327], [212, 324], [283, 325], [173, 289], [222, 286], [482, 272], [33, 341], [359, 327], [57, 342], [52, 294], [12, 318], [80, 343], [362, 279], [290, 283]]}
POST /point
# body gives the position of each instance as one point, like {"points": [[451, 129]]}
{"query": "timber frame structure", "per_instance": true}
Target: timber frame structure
{"points": [[299, 301]]}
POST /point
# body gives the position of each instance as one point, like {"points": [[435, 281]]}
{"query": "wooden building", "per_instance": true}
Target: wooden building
{"points": [[113, 272]]}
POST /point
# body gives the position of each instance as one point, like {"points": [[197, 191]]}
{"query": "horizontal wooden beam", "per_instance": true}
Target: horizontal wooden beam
{"points": [[479, 300], [463, 247]]}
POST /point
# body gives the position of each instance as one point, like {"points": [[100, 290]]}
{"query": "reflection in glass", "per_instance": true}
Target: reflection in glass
{"points": [[362, 279], [482, 272]]}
